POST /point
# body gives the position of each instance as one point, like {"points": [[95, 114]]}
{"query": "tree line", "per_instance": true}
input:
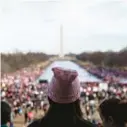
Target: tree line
{"points": [[18, 60], [109, 58], [15, 61]]}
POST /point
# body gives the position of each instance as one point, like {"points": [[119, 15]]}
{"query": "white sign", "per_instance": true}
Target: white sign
{"points": [[103, 86]]}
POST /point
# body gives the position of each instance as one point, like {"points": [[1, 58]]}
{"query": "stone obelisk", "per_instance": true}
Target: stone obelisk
{"points": [[61, 42]]}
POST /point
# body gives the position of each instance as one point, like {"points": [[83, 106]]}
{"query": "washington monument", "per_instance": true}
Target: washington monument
{"points": [[61, 42]]}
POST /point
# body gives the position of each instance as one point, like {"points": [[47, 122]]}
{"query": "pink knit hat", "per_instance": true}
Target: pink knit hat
{"points": [[64, 86]]}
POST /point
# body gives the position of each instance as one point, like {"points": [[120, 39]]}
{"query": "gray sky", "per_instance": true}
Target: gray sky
{"points": [[88, 25]]}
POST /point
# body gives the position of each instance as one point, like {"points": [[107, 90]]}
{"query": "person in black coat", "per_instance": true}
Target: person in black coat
{"points": [[64, 100]]}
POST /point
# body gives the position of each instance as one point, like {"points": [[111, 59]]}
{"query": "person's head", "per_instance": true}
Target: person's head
{"points": [[5, 113], [64, 93], [113, 112]]}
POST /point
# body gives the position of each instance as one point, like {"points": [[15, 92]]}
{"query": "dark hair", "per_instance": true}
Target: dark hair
{"points": [[116, 109], [5, 112], [66, 113]]}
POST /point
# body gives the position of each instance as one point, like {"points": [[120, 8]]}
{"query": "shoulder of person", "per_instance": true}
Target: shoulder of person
{"points": [[81, 123], [85, 123], [35, 123]]}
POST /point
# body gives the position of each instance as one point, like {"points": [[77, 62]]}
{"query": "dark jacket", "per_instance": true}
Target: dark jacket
{"points": [[45, 122]]}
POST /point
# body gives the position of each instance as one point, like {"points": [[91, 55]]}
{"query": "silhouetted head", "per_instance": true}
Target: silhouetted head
{"points": [[113, 112], [5, 113]]}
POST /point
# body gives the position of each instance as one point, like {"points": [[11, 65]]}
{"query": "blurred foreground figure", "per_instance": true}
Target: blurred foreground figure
{"points": [[63, 95], [6, 115], [113, 113]]}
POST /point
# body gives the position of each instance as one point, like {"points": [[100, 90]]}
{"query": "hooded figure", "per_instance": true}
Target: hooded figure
{"points": [[64, 99]]}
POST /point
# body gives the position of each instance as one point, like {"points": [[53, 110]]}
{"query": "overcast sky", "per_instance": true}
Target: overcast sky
{"points": [[88, 25]]}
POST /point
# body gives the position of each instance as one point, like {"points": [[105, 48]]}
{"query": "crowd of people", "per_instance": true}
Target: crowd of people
{"points": [[22, 92], [109, 74], [92, 95], [27, 96]]}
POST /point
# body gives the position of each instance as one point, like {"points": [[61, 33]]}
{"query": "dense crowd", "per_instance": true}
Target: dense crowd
{"points": [[26, 96], [92, 95], [23, 92], [109, 74]]}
